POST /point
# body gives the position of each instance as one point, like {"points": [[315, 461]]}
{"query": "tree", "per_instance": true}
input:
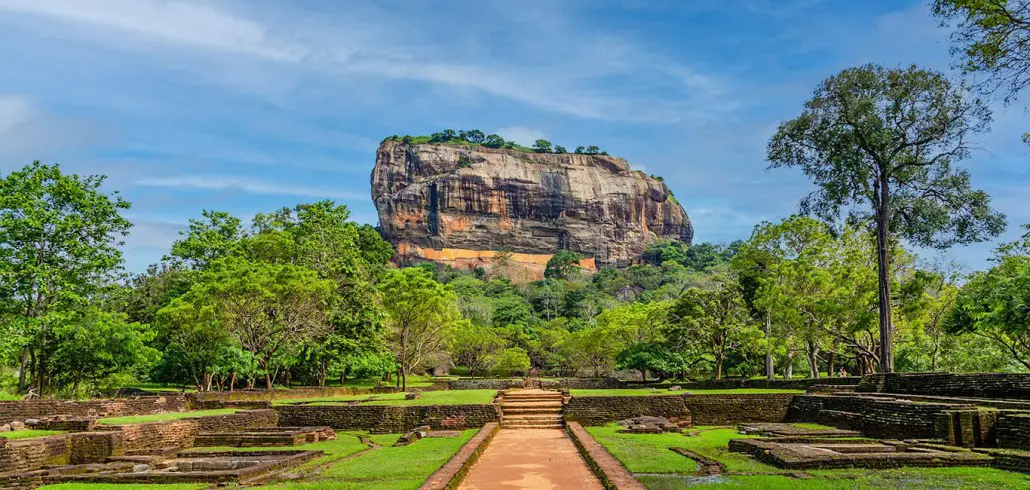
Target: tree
{"points": [[993, 304], [560, 149], [561, 264], [95, 347], [992, 38], [592, 150], [542, 146], [265, 307], [655, 357], [493, 141], [218, 235], [887, 138], [419, 314], [715, 320], [580, 150], [474, 136], [513, 360], [58, 251], [475, 347]]}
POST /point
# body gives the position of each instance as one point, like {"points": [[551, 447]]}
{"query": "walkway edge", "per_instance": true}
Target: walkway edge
{"points": [[452, 473], [613, 475]]}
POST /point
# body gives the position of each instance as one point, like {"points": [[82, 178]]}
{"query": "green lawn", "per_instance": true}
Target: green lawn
{"points": [[126, 486], [394, 468], [25, 434], [641, 453], [158, 417], [444, 397], [345, 444], [650, 391]]}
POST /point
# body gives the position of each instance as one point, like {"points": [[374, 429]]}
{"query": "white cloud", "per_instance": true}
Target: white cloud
{"points": [[172, 21], [555, 66], [521, 134], [15, 110], [28, 133], [252, 186]]}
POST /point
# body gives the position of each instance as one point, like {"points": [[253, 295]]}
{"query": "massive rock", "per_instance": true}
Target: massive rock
{"points": [[480, 207]]}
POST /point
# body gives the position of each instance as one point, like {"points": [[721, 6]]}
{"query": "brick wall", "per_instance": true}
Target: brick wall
{"points": [[116, 407], [733, 409], [31, 454], [784, 384], [237, 422], [983, 385], [581, 383], [600, 410], [485, 384], [388, 419], [1013, 430], [875, 416], [212, 399]]}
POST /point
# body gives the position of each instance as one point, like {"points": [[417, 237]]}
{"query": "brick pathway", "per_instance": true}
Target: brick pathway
{"points": [[530, 458]]}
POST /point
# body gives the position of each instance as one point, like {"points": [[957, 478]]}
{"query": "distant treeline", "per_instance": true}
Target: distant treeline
{"points": [[476, 137]]}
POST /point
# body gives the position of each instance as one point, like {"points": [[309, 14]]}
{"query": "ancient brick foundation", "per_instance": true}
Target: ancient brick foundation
{"points": [[984, 385], [600, 410], [782, 384], [693, 409], [96, 447], [216, 399], [115, 407], [876, 416], [388, 419], [732, 409]]}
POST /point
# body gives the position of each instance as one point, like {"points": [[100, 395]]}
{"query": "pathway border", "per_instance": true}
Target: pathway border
{"points": [[613, 475], [452, 473]]}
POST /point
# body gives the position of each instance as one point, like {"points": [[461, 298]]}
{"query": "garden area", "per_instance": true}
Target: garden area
{"points": [[653, 462]]}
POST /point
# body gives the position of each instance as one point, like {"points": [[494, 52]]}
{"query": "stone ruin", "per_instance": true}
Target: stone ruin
{"points": [[648, 425]]}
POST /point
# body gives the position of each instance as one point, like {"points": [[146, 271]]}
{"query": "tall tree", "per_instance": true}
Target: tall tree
{"points": [[886, 139], [991, 42], [58, 251], [419, 315]]}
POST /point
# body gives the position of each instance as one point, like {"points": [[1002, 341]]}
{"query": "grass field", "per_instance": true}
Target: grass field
{"points": [[25, 434], [645, 453], [158, 417], [650, 391], [444, 397]]}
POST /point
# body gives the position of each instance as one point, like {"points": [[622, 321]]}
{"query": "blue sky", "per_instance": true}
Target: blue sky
{"points": [[248, 106]]}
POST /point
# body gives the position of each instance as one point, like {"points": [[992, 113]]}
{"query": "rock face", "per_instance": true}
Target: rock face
{"points": [[479, 207]]}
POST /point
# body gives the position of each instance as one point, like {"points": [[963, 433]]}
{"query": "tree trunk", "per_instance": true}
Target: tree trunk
{"points": [[22, 370], [883, 262], [232, 382], [812, 353], [770, 370], [831, 361], [788, 370], [718, 365], [643, 375]]}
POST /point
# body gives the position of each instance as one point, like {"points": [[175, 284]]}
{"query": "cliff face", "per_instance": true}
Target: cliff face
{"points": [[462, 206]]}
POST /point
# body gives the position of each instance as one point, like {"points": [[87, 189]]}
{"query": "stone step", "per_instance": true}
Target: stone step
{"points": [[553, 425], [530, 410], [531, 416], [535, 399], [531, 405]]}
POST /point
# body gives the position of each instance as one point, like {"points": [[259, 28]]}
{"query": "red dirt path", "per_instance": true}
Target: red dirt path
{"points": [[530, 458]]}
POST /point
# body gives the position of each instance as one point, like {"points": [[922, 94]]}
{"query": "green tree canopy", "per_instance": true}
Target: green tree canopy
{"points": [[886, 139], [58, 252]]}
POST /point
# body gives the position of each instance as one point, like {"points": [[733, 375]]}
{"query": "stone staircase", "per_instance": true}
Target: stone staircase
{"points": [[531, 409]]}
